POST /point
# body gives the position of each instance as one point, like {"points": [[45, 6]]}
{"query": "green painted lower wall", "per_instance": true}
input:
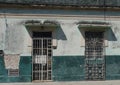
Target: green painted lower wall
{"points": [[64, 68], [25, 69], [3, 71], [71, 68], [112, 67], [68, 68]]}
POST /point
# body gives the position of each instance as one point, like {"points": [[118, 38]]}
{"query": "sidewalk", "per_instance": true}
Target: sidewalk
{"points": [[111, 82]]}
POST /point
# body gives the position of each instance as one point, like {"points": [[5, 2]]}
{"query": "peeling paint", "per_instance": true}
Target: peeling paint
{"points": [[12, 61], [19, 41], [115, 45]]}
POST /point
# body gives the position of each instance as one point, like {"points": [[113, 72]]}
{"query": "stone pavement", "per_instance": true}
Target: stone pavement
{"points": [[111, 82]]}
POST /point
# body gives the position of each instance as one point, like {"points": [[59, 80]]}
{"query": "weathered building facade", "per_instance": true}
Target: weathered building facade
{"points": [[59, 40]]}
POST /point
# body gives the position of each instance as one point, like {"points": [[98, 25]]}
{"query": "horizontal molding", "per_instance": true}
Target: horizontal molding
{"points": [[60, 6], [69, 56], [57, 16], [83, 56]]}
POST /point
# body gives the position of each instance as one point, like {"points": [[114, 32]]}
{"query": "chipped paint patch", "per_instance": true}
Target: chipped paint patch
{"points": [[12, 61]]}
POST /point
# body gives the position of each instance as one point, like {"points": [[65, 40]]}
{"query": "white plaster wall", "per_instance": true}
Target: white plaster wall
{"points": [[14, 38], [114, 45], [2, 33], [70, 46], [18, 40]]}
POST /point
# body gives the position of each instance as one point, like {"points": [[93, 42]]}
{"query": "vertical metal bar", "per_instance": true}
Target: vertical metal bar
{"points": [[104, 51], [51, 58], [47, 57], [43, 58], [41, 62], [32, 59], [35, 48], [38, 58]]}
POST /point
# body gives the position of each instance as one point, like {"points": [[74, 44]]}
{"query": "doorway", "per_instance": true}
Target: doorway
{"points": [[42, 56]]}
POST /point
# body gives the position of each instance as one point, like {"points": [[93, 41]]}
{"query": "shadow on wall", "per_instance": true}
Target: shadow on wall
{"points": [[60, 35], [111, 35]]}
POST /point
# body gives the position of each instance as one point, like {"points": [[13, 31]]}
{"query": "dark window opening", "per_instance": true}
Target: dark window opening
{"points": [[13, 72], [42, 34], [94, 56]]}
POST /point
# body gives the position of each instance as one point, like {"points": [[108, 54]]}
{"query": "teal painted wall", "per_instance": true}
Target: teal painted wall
{"points": [[25, 68], [3, 71], [112, 67], [71, 68], [59, 11], [64, 68], [68, 68]]}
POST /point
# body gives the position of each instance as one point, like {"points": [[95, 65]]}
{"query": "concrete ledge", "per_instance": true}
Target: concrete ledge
{"points": [[111, 82]]}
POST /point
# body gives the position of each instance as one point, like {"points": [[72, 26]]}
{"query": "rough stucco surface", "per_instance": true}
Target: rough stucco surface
{"points": [[25, 69], [12, 61], [68, 68], [14, 37], [18, 40], [2, 33]]}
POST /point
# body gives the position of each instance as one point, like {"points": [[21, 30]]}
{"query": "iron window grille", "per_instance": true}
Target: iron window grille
{"points": [[13, 72]]}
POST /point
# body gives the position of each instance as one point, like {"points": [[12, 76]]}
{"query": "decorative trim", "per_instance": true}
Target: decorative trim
{"points": [[59, 16], [38, 23], [60, 5], [94, 24]]}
